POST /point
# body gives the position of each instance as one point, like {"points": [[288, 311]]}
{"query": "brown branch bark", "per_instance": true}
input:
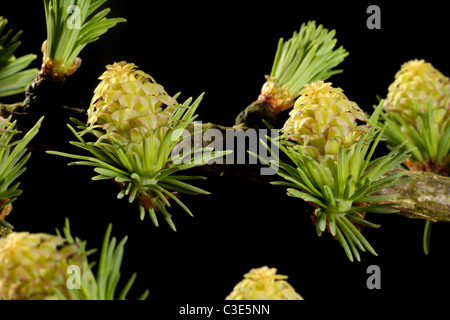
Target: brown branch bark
{"points": [[424, 196]]}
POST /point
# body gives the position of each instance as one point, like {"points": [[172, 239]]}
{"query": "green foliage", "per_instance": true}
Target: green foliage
{"points": [[424, 137], [417, 109], [13, 157], [103, 286], [307, 57], [341, 191], [148, 177], [14, 77], [71, 25]]}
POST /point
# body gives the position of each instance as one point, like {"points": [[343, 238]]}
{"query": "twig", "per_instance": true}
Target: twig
{"points": [[424, 196]]}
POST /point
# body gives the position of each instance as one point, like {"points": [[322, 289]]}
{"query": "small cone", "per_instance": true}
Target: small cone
{"points": [[264, 284]]}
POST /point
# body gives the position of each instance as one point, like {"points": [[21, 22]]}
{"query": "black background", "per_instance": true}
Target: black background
{"points": [[224, 48]]}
